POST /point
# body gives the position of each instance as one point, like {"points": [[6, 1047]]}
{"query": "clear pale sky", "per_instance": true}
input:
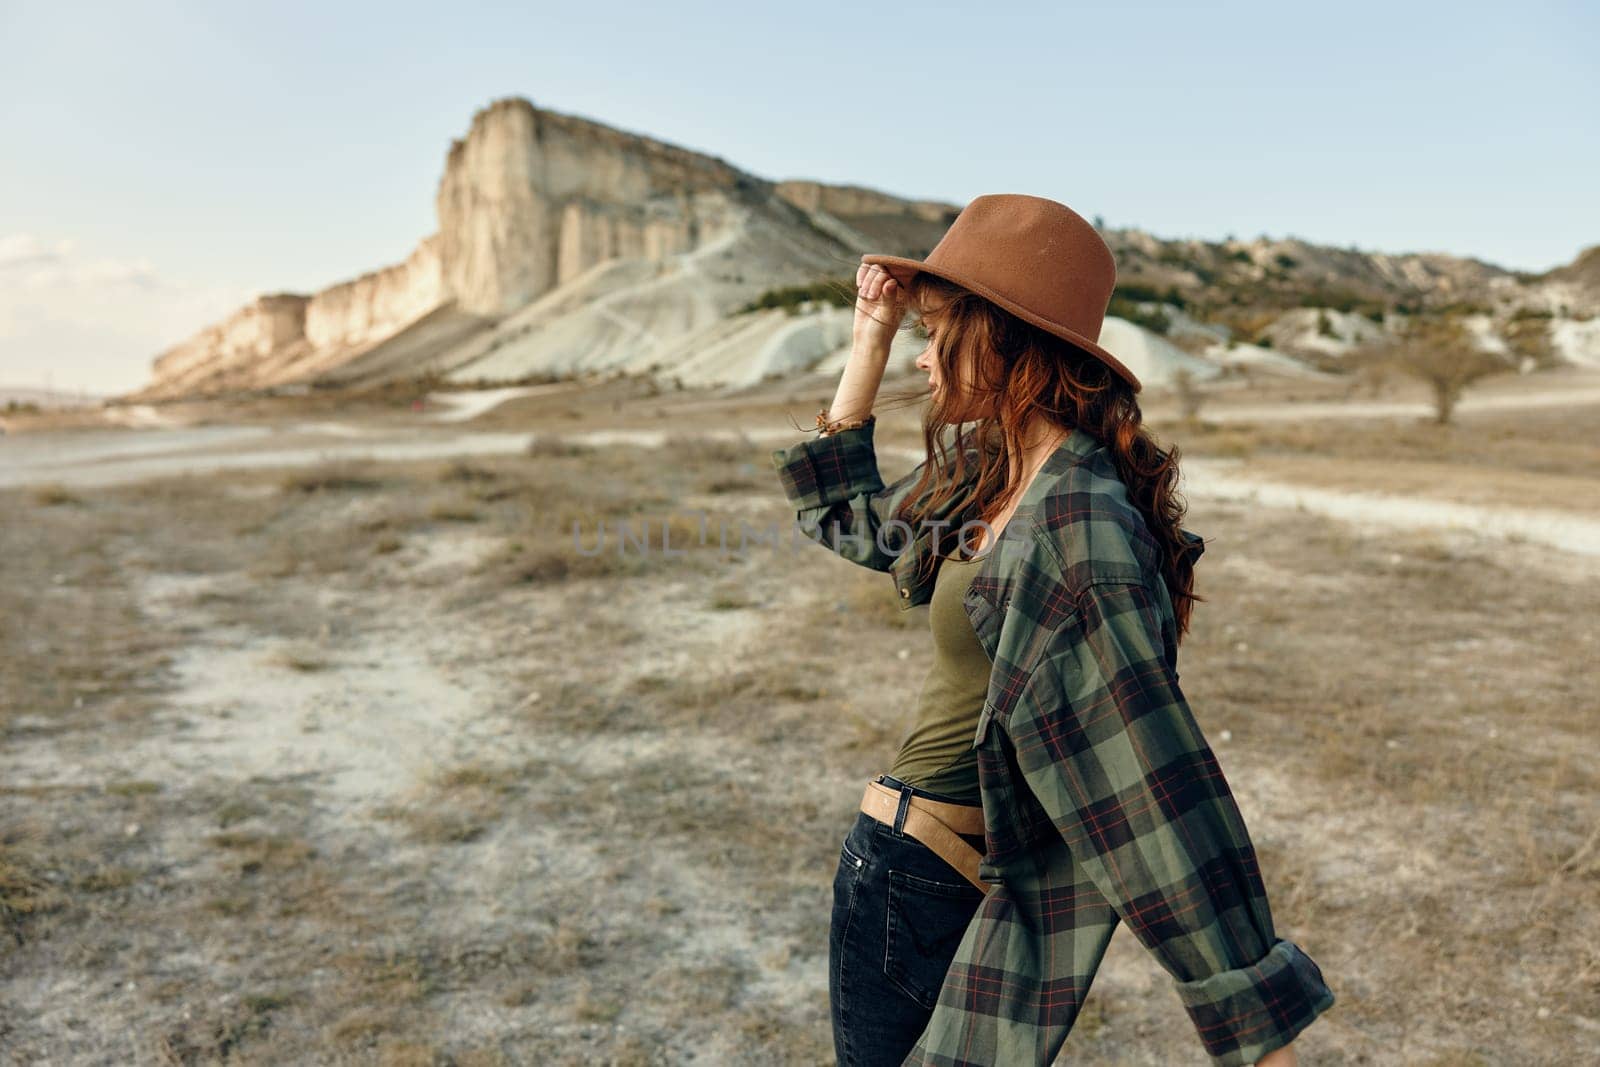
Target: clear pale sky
{"points": [[162, 162]]}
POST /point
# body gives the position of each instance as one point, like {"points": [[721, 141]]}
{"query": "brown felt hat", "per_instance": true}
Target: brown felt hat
{"points": [[1037, 259]]}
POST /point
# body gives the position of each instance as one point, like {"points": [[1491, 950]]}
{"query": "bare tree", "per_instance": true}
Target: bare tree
{"points": [[1437, 350]]}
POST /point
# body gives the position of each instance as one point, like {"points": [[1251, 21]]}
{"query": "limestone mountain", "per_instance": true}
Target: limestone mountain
{"points": [[566, 246], [563, 245]]}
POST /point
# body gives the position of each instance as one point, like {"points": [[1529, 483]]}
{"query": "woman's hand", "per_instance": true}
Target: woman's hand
{"points": [[880, 308]]}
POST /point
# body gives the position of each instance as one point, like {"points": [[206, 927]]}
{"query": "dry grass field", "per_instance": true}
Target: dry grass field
{"points": [[367, 762]]}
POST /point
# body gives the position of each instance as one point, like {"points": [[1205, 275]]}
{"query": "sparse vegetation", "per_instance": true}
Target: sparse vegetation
{"points": [[338, 477], [1144, 305], [1134, 293], [837, 292], [1528, 338], [24, 892], [300, 657], [51, 496], [703, 448], [515, 795], [554, 445], [1156, 321], [1437, 350]]}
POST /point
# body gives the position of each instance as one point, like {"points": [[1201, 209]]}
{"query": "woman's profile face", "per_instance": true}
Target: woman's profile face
{"points": [[927, 359], [930, 363]]}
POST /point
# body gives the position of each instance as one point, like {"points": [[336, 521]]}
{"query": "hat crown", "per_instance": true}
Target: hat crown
{"points": [[1041, 254], [1034, 257]]}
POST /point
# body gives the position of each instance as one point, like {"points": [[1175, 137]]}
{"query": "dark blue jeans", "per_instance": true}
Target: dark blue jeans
{"points": [[899, 912]]}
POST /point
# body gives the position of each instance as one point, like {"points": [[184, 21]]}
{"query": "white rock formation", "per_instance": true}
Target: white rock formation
{"points": [[265, 326], [1267, 360], [563, 245], [376, 305], [531, 199], [1298, 331], [1153, 359], [1577, 340]]}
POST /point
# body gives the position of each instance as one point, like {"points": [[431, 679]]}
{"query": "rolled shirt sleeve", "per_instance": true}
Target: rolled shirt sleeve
{"points": [[1107, 745], [841, 501], [827, 470], [839, 497]]}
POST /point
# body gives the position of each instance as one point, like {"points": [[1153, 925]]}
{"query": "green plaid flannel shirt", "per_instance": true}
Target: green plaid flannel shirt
{"points": [[1102, 801]]}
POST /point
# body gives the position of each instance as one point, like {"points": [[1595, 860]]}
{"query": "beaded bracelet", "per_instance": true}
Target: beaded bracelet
{"points": [[826, 426]]}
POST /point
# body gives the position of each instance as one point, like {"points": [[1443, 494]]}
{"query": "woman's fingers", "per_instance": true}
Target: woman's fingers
{"points": [[873, 282]]}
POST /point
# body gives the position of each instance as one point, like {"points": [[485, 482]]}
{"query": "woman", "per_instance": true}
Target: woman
{"points": [[1051, 732]]}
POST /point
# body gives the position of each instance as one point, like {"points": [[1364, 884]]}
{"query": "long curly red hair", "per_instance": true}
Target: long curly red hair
{"points": [[1011, 372]]}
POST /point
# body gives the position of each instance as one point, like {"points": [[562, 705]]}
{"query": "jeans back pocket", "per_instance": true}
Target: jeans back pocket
{"points": [[925, 924]]}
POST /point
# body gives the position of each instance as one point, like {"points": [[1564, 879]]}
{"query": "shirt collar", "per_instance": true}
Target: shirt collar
{"points": [[1079, 444], [1077, 447]]}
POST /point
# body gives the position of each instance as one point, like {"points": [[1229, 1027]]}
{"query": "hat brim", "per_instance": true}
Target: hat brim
{"points": [[901, 269]]}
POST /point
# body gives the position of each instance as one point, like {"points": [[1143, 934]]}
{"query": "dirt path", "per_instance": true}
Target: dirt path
{"points": [[109, 458], [1219, 479], [1230, 480], [1372, 409]]}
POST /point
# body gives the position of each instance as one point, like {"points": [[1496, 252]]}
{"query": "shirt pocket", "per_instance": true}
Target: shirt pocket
{"points": [[985, 619]]}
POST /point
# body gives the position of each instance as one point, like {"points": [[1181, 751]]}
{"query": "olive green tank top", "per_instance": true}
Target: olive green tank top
{"points": [[938, 755]]}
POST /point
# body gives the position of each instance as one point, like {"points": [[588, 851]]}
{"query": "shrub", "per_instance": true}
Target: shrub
{"points": [[1156, 321], [836, 291], [1135, 293], [1437, 350]]}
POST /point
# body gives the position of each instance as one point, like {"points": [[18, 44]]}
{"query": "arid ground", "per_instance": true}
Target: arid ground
{"points": [[323, 742]]}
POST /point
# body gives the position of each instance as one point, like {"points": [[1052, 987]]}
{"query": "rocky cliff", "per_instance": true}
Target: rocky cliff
{"points": [[216, 355], [565, 245], [287, 336], [375, 305], [529, 201]]}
